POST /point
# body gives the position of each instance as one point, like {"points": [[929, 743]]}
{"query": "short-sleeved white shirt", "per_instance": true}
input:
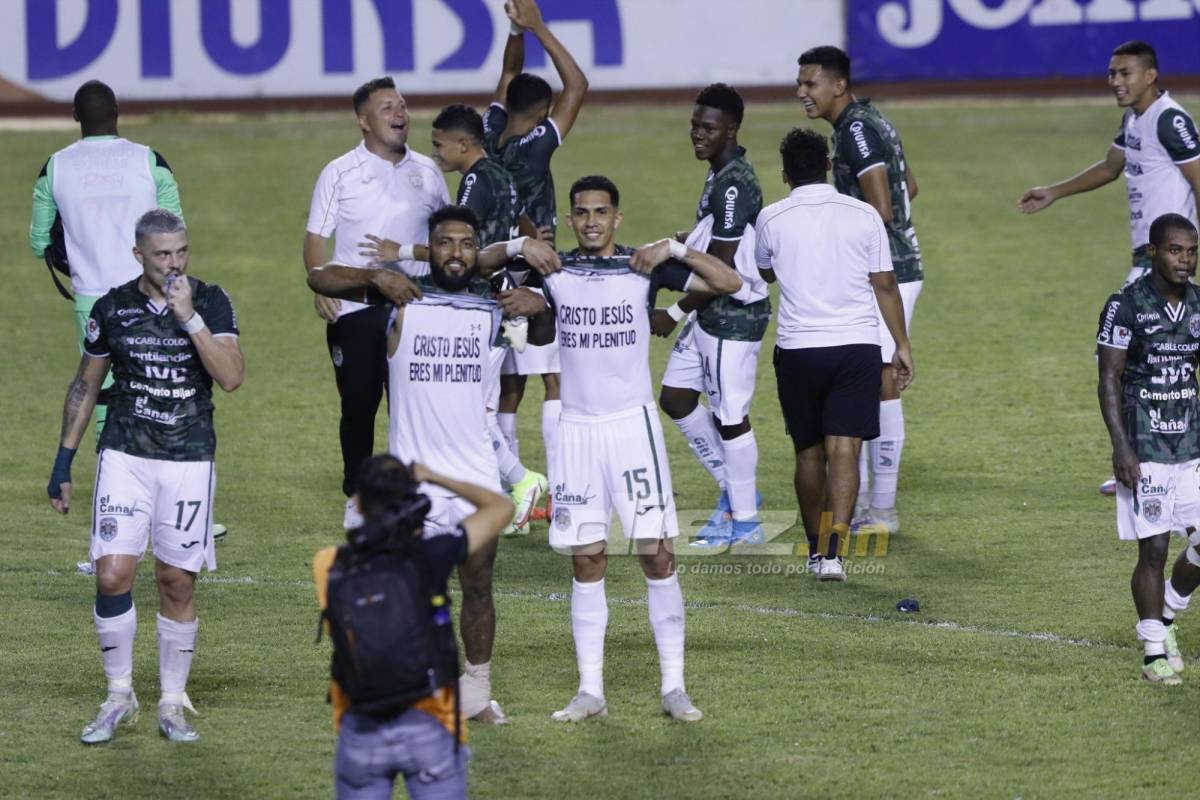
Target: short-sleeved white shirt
{"points": [[360, 193], [823, 246]]}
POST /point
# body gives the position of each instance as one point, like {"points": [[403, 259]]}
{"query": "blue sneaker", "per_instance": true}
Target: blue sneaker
{"points": [[748, 531], [718, 528]]}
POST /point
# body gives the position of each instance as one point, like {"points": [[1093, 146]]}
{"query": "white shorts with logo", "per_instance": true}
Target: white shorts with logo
{"points": [[446, 512], [1167, 499], [723, 369], [138, 499], [909, 292], [535, 359], [617, 460]]}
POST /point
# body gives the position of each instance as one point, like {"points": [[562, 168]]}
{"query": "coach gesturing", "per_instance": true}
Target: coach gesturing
{"points": [[830, 254], [381, 188]]}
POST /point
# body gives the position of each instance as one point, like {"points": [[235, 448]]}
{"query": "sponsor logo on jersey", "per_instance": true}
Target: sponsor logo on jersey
{"points": [[1143, 317], [108, 528], [1152, 510], [1160, 425], [1185, 135], [860, 138], [731, 196], [129, 312], [536, 133], [1110, 314], [93, 330], [1148, 488], [1122, 336], [1132, 140], [564, 497], [467, 186]]}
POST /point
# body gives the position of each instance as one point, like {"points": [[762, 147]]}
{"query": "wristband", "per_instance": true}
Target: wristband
{"points": [[407, 253], [61, 472], [676, 313], [677, 249], [194, 325], [515, 246], [514, 29]]}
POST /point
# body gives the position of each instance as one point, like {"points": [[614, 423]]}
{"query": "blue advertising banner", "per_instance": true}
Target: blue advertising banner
{"points": [[896, 40]]}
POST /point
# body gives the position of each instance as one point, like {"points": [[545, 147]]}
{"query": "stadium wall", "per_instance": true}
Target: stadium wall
{"points": [[246, 54]]}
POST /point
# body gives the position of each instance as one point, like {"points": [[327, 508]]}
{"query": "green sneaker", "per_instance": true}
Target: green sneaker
{"points": [[113, 711], [1174, 657], [525, 495], [1159, 671]]}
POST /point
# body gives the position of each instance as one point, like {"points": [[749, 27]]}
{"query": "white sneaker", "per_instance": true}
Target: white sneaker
{"points": [[113, 711], [582, 706], [352, 518], [677, 705], [831, 570], [876, 519]]}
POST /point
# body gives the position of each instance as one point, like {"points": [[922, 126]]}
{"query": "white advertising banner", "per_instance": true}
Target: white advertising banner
{"points": [[160, 49]]}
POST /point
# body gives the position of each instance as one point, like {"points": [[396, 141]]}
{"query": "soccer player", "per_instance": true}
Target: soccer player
{"points": [[828, 252], [438, 360], [1156, 147], [524, 127], [86, 202], [1148, 341], [381, 187], [611, 450], [418, 743], [717, 350], [869, 165], [167, 336]]}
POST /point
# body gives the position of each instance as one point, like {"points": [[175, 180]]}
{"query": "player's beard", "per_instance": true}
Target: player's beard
{"points": [[451, 283]]}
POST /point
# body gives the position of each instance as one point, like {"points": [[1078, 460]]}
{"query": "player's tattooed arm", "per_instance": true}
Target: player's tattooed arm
{"points": [[1126, 467], [1095, 176], [81, 399]]}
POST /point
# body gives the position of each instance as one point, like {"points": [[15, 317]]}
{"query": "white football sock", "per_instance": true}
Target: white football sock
{"points": [[664, 599], [702, 437], [511, 470], [508, 426], [551, 411], [1154, 634], [864, 476], [1173, 601], [741, 463], [885, 454], [589, 623], [116, 649], [176, 646]]}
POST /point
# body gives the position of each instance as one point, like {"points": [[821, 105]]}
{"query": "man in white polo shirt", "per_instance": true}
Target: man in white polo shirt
{"points": [[830, 254], [383, 189]]}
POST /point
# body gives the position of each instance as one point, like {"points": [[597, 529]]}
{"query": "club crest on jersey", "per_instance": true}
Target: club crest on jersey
{"points": [[108, 528], [93, 330], [1152, 510], [416, 181], [1194, 324], [338, 357], [562, 517]]}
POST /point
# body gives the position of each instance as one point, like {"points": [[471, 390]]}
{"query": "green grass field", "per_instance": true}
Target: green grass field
{"points": [[1018, 678]]}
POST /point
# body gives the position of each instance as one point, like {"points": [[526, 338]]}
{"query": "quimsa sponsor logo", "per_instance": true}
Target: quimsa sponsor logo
{"points": [[1185, 135], [731, 196], [860, 139]]}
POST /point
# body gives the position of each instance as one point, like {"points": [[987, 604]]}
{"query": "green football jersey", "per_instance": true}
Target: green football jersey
{"points": [[862, 140], [160, 405], [489, 191], [733, 196], [1158, 403], [527, 159]]}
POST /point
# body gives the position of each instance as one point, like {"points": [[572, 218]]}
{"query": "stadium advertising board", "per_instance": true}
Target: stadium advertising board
{"points": [[894, 40], [274, 48]]}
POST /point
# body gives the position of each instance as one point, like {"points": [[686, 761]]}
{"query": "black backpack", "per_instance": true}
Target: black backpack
{"points": [[393, 642]]}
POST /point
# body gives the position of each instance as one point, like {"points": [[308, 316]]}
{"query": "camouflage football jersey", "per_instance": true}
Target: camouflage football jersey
{"points": [[489, 191], [862, 139], [733, 196], [160, 405], [527, 159], [1158, 402]]}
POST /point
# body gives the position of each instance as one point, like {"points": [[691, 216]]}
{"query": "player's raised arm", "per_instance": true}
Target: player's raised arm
{"points": [[77, 411], [382, 251], [1099, 174], [527, 15], [514, 59], [538, 254], [362, 285]]}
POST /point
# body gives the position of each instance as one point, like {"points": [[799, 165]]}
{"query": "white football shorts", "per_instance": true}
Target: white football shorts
{"points": [[138, 498], [909, 292], [535, 359], [446, 512], [1167, 499], [722, 369], [612, 461]]}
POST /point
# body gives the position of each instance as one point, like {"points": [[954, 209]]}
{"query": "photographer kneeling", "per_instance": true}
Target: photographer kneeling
{"points": [[395, 663]]}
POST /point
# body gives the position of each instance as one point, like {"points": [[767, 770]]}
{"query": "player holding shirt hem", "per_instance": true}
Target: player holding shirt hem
{"points": [[1149, 337], [869, 165]]}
